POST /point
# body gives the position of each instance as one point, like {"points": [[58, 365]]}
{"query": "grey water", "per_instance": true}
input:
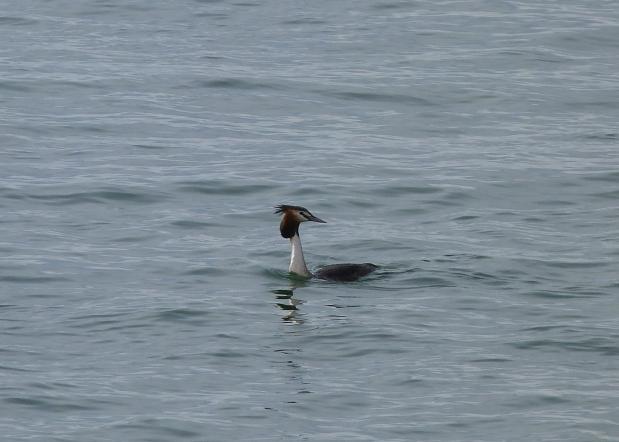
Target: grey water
{"points": [[469, 148]]}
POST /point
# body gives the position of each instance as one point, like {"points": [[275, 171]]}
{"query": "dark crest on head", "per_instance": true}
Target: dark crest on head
{"points": [[283, 208], [289, 226]]}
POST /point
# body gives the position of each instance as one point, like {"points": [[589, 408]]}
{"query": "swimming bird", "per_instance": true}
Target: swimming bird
{"points": [[292, 217]]}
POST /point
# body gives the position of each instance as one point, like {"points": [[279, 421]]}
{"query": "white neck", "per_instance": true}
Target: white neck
{"points": [[297, 261]]}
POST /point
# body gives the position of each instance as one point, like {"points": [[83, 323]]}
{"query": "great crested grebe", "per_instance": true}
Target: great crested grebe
{"points": [[289, 228]]}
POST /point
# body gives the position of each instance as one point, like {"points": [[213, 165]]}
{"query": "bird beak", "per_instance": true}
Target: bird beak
{"points": [[316, 219]]}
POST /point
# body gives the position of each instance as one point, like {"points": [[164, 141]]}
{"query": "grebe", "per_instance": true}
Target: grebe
{"points": [[289, 228]]}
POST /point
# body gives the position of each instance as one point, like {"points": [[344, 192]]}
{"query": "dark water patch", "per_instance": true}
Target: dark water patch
{"points": [[406, 190], [553, 294], [205, 271], [410, 382], [443, 201], [458, 257], [610, 176], [458, 195], [612, 195], [362, 204], [540, 400], [556, 203], [14, 86], [213, 187], [237, 84], [490, 360], [375, 97], [605, 346], [585, 291], [122, 326], [51, 386], [33, 279], [595, 104], [360, 352], [167, 430], [99, 197], [191, 224], [608, 136], [395, 5], [78, 84], [304, 21], [309, 191], [562, 264], [131, 239], [345, 306], [48, 404], [97, 320], [15, 369], [212, 57], [14, 196], [576, 264], [479, 276], [466, 218], [228, 354], [215, 15], [427, 281], [183, 315], [16, 21], [506, 213], [545, 328], [151, 146], [410, 211]]}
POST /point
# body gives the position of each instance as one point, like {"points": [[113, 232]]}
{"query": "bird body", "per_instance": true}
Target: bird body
{"points": [[292, 217], [345, 272]]}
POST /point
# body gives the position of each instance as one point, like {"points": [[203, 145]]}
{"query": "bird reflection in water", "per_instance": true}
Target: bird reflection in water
{"points": [[285, 300]]}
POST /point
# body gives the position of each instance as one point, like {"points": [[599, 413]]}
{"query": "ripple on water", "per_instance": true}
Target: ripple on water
{"points": [[153, 146], [193, 224], [405, 190], [608, 136], [237, 84], [426, 281], [15, 369], [173, 428], [611, 195], [377, 97], [564, 264], [606, 346], [50, 404], [466, 218], [304, 21], [14, 86], [100, 197], [216, 187], [182, 315], [206, 271], [33, 279], [566, 293], [610, 176], [16, 21], [536, 400], [99, 321]]}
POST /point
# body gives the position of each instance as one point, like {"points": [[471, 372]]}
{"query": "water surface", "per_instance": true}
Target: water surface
{"points": [[470, 149]]}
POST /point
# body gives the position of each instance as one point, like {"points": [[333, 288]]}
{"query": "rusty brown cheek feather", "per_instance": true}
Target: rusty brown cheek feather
{"points": [[289, 226]]}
